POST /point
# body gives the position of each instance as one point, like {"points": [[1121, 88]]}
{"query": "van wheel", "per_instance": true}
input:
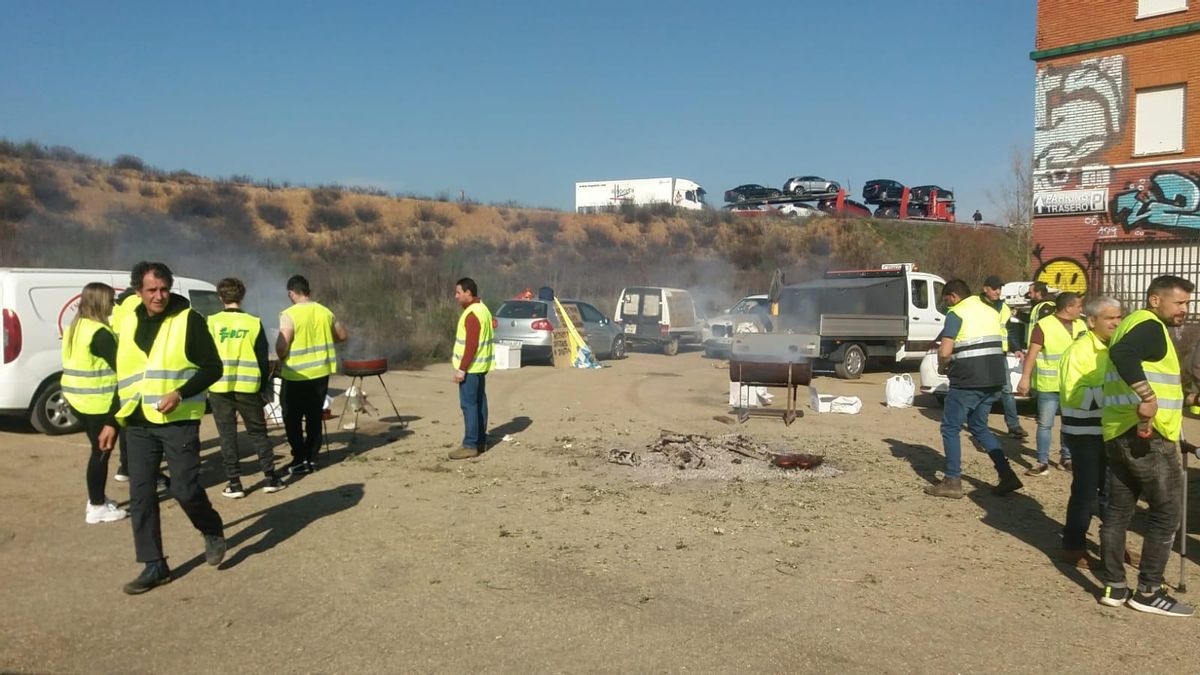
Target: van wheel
{"points": [[618, 348], [854, 362], [52, 414], [672, 347]]}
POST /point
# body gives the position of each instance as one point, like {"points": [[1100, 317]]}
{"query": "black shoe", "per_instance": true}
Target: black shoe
{"points": [[297, 468], [153, 574], [312, 465], [1159, 603], [234, 490], [214, 549], [273, 484], [164, 482], [1008, 483], [1018, 433], [1114, 597]]}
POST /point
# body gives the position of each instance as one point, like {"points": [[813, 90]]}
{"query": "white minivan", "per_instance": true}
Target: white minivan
{"points": [[660, 317], [36, 304]]}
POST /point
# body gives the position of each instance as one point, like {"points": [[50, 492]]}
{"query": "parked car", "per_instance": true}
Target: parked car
{"points": [[719, 330], [810, 185], [659, 317], [36, 305], [798, 210], [920, 194], [882, 190], [751, 191], [751, 210], [893, 211], [850, 208], [530, 325], [934, 383]]}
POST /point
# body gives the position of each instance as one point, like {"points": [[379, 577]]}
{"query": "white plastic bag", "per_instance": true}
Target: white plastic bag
{"points": [[847, 405], [899, 391]]}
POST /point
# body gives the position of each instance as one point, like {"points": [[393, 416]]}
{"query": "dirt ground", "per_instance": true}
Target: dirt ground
{"points": [[542, 555]]}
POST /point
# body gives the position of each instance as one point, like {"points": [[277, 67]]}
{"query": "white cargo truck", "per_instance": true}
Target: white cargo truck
{"points": [[610, 195]]}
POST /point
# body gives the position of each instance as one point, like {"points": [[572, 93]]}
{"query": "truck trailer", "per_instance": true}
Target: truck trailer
{"points": [[610, 195]]}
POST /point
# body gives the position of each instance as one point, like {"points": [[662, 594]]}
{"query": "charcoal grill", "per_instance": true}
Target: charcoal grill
{"points": [[358, 370], [772, 360]]}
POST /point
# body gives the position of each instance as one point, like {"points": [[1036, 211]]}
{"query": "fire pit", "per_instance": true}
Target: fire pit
{"points": [[773, 360], [364, 367], [358, 370]]}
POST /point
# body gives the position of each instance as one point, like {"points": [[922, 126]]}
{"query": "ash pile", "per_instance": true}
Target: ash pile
{"points": [[676, 456]]}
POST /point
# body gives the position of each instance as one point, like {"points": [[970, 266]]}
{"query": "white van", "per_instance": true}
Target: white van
{"points": [[660, 317], [36, 305]]}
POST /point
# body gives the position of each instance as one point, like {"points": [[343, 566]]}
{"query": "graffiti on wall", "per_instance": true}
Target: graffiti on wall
{"points": [[1079, 110], [1063, 273], [1167, 199]]}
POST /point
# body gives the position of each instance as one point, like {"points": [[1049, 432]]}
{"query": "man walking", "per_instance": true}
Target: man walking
{"points": [[472, 360], [166, 359], [242, 346], [972, 354], [1081, 388], [977, 217], [1142, 421], [1051, 337], [1042, 305], [991, 298], [307, 333]]}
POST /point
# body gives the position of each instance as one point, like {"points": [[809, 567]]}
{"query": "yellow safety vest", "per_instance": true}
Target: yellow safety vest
{"points": [[88, 383], [1081, 385], [978, 360], [1034, 318], [144, 379], [1056, 340], [122, 310], [1121, 402], [311, 354], [235, 334], [485, 352]]}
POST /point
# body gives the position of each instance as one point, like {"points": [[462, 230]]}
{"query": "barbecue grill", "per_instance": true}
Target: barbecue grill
{"points": [[773, 360], [358, 370]]}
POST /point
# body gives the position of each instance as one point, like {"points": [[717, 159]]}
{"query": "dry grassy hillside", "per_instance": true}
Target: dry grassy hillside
{"points": [[387, 264]]}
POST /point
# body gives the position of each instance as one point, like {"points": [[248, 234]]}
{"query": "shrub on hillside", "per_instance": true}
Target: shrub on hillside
{"points": [[468, 206], [116, 183], [431, 214], [329, 218], [129, 162], [274, 215], [47, 189], [82, 180], [13, 204], [326, 196], [366, 213], [199, 202], [147, 190], [8, 176], [545, 229]]}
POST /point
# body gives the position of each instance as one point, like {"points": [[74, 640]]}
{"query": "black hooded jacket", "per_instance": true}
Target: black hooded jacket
{"points": [[199, 347]]}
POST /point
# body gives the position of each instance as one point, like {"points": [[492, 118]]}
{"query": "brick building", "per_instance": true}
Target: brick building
{"points": [[1116, 147]]}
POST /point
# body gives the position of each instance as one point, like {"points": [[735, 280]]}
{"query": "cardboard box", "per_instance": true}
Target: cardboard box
{"points": [[508, 357], [562, 349]]}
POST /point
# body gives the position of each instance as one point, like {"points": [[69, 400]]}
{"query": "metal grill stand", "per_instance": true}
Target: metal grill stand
{"points": [[358, 372]]}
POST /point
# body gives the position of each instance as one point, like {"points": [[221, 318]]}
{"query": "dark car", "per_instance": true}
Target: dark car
{"points": [[850, 208], [751, 191], [882, 190], [810, 185], [921, 193], [893, 211]]}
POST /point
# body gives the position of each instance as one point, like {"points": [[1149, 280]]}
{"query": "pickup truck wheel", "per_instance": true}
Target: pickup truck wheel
{"points": [[671, 348], [854, 362], [52, 414]]}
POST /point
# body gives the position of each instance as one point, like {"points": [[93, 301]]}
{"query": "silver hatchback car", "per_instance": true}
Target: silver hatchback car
{"points": [[530, 324]]}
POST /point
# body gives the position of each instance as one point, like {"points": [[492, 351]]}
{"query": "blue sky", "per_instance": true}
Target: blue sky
{"points": [[517, 101]]}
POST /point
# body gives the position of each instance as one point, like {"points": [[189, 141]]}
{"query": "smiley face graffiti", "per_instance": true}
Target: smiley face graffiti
{"points": [[1065, 274]]}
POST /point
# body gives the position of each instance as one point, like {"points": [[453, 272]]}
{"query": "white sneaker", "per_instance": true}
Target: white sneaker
{"points": [[120, 477], [107, 512]]}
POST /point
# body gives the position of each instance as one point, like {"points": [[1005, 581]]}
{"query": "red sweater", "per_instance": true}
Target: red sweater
{"points": [[472, 345]]}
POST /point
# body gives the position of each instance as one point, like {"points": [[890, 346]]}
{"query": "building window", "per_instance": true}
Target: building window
{"points": [[1148, 8], [1158, 121]]}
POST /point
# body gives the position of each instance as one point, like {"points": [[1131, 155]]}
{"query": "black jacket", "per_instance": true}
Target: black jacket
{"points": [[199, 348]]}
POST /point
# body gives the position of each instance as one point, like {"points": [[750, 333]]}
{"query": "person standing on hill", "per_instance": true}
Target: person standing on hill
{"points": [[89, 383], [472, 360], [977, 217], [971, 353], [1142, 421], [242, 344], [166, 360], [1051, 337], [307, 334]]}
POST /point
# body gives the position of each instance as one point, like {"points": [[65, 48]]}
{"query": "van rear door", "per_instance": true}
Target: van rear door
{"points": [[641, 311]]}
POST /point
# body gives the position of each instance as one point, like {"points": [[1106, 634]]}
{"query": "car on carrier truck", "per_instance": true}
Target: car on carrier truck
{"points": [[35, 306], [664, 318], [599, 196], [891, 313]]}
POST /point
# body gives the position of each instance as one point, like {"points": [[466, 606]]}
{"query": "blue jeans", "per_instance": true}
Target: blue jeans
{"points": [[971, 406], [1047, 404], [472, 398], [1010, 407]]}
